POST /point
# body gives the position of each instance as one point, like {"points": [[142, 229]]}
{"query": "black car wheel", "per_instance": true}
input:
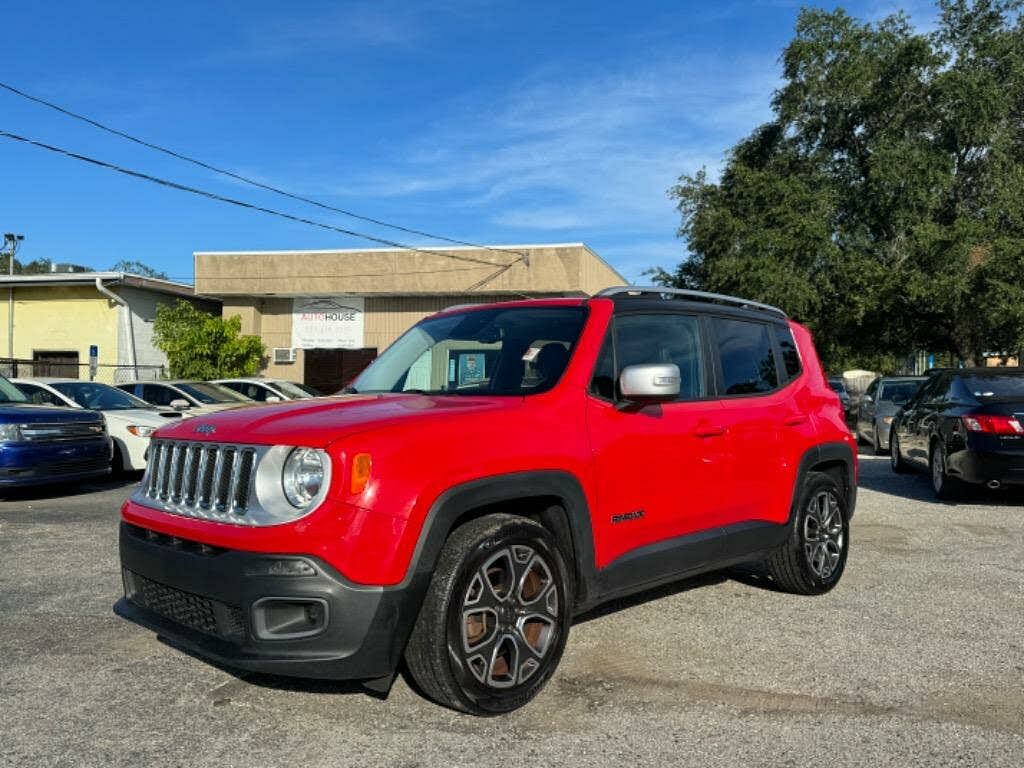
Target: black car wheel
{"points": [[899, 466], [494, 623], [813, 558], [876, 446], [945, 487]]}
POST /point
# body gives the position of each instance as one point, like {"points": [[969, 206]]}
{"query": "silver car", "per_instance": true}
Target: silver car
{"points": [[880, 402]]}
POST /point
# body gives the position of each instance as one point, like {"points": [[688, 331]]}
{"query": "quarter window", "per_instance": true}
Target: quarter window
{"points": [[787, 347], [746, 357]]}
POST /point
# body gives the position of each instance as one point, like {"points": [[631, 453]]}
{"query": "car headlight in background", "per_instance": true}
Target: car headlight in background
{"points": [[10, 433], [302, 476], [141, 431]]}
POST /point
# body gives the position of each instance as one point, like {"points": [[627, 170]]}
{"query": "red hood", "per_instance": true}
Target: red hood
{"points": [[319, 422]]}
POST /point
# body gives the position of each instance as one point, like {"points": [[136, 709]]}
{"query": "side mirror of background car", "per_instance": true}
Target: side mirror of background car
{"points": [[180, 404], [650, 383], [867, 398], [272, 399]]}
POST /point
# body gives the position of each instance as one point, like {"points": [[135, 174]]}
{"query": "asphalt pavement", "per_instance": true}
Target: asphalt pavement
{"points": [[916, 658]]}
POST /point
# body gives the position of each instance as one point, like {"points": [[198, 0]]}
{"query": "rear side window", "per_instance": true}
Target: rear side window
{"points": [[787, 348], [652, 339], [745, 354], [158, 395]]}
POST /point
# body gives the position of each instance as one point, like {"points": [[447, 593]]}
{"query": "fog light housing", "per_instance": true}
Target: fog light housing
{"points": [[289, 618], [283, 566]]}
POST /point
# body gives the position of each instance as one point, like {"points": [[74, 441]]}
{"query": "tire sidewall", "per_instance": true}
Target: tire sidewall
{"points": [[478, 697], [812, 488]]}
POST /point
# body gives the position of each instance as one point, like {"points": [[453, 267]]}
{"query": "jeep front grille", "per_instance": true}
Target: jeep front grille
{"points": [[204, 480]]}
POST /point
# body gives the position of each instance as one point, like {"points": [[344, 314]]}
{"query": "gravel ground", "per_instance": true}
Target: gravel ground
{"points": [[916, 658]]}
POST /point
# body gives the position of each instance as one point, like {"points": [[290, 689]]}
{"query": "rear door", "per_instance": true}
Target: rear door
{"points": [[660, 468]]}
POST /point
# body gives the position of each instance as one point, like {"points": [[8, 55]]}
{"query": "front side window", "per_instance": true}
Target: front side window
{"points": [[746, 357], [494, 351], [897, 392], [209, 394], [158, 394], [652, 339]]}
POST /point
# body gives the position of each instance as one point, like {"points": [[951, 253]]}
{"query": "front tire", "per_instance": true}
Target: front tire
{"points": [[495, 619], [896, 462], [813, 559]]}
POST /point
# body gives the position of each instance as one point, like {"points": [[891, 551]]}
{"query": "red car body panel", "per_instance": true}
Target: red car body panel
{"points": [[688, 466]]}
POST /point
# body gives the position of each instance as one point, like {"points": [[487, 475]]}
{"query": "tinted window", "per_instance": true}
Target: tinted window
{"points": [[989, 387], [158, 395], [38, 395], [10, 393], [207, 393], [603, 383], [790, 357], [745, 353], [98, 397], [654, 339], [897, 391]]}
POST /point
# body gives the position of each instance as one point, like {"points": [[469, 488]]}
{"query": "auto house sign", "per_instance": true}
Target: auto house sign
{"points": [[328, 322]]}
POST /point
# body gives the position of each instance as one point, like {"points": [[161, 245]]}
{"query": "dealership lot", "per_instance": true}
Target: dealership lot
{"points": [[916, 658]]}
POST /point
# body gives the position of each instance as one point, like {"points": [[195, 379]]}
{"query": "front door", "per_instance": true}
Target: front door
{"points": [[659, 468]]}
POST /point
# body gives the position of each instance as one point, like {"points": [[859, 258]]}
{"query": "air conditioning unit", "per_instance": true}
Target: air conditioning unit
{"points": [[284, 355]]}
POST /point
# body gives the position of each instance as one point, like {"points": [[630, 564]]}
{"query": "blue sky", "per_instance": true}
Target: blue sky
{"points": [[517, 122]]}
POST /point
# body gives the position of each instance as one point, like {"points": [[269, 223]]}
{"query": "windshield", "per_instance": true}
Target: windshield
{"points": [[10, 393], [209, 394], [898, 391], [497, 351], [293, 390], [99, 397], [1005, 386]]}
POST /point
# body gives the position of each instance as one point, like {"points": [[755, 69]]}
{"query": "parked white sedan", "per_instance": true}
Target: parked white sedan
{"points": [[268, 390], [130, 421], [191, 398]]}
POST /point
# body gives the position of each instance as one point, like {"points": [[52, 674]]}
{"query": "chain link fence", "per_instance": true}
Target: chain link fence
{"points": [[72, 369]]}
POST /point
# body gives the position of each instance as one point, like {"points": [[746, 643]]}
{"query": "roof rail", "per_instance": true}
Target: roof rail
{"points": [[640, 290]]}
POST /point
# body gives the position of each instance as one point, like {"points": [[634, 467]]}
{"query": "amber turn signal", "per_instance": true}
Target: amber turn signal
{"points": [[360, 472]]}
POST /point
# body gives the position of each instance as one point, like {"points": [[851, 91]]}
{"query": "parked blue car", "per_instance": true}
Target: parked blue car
{"points": [[41, 444]]}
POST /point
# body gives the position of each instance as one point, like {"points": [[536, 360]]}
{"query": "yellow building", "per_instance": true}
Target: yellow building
{"points": [[51, 322], [323, 315]]}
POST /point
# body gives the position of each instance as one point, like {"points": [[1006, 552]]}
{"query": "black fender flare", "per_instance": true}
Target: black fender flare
{"points": [[828, 454]]}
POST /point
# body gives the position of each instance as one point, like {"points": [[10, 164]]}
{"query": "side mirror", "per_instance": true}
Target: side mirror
{"points": [[180, 404], [867, 398], [272, 399], [650, 383]]}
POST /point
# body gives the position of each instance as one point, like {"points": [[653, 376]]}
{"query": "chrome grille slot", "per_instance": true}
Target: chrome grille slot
{"points": [[203, 480]]}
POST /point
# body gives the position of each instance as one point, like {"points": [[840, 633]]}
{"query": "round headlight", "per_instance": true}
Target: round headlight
{"points": [[302, 476]]}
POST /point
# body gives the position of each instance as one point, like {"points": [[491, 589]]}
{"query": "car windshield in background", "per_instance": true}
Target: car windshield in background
{"points": [[897, 391], [497, 351], [99, 397], [291, 389], [1004, 386], [211, 394], [10, 393]]}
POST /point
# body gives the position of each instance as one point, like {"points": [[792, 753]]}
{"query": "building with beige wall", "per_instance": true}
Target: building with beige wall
{"points": [[323, 315], [56, 319]]}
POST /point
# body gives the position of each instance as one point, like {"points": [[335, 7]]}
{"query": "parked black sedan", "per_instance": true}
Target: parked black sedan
{"points": [[879, 405], [964, 426]]}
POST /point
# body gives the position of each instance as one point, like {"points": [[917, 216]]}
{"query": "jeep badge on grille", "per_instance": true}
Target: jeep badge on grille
{"points": [[205, 429]]}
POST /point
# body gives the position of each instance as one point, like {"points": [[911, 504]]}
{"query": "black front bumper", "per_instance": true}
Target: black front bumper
{"points": [[211, 602]]}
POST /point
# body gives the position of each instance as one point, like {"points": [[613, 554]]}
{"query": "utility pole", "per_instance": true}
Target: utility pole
{"points": [[11, 241]]}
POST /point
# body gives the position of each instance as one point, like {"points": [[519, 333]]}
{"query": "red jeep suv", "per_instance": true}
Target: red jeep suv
{"points": [[495, 472]]}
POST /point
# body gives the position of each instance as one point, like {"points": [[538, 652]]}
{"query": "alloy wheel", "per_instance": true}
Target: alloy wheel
{"points": [[824, 535], [509, 617]]}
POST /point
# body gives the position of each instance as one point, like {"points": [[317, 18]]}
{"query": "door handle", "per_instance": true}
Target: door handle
{"points": [[709, 430], [795, 421]]}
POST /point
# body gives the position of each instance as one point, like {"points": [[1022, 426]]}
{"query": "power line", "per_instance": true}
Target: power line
{"points": [[243, 204], [238, 177]]}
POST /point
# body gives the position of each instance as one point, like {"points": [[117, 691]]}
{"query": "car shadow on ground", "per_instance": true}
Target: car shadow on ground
{"points": [[58, 490], [876, 475]]}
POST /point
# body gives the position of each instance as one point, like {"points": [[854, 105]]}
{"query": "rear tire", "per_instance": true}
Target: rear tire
{"points": [[946, 488], [495, 619], [813, 559]]}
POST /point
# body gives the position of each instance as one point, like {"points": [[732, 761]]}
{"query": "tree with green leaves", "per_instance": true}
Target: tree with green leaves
{"points": [[199, 345], [138, 268], [884, 203]]}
